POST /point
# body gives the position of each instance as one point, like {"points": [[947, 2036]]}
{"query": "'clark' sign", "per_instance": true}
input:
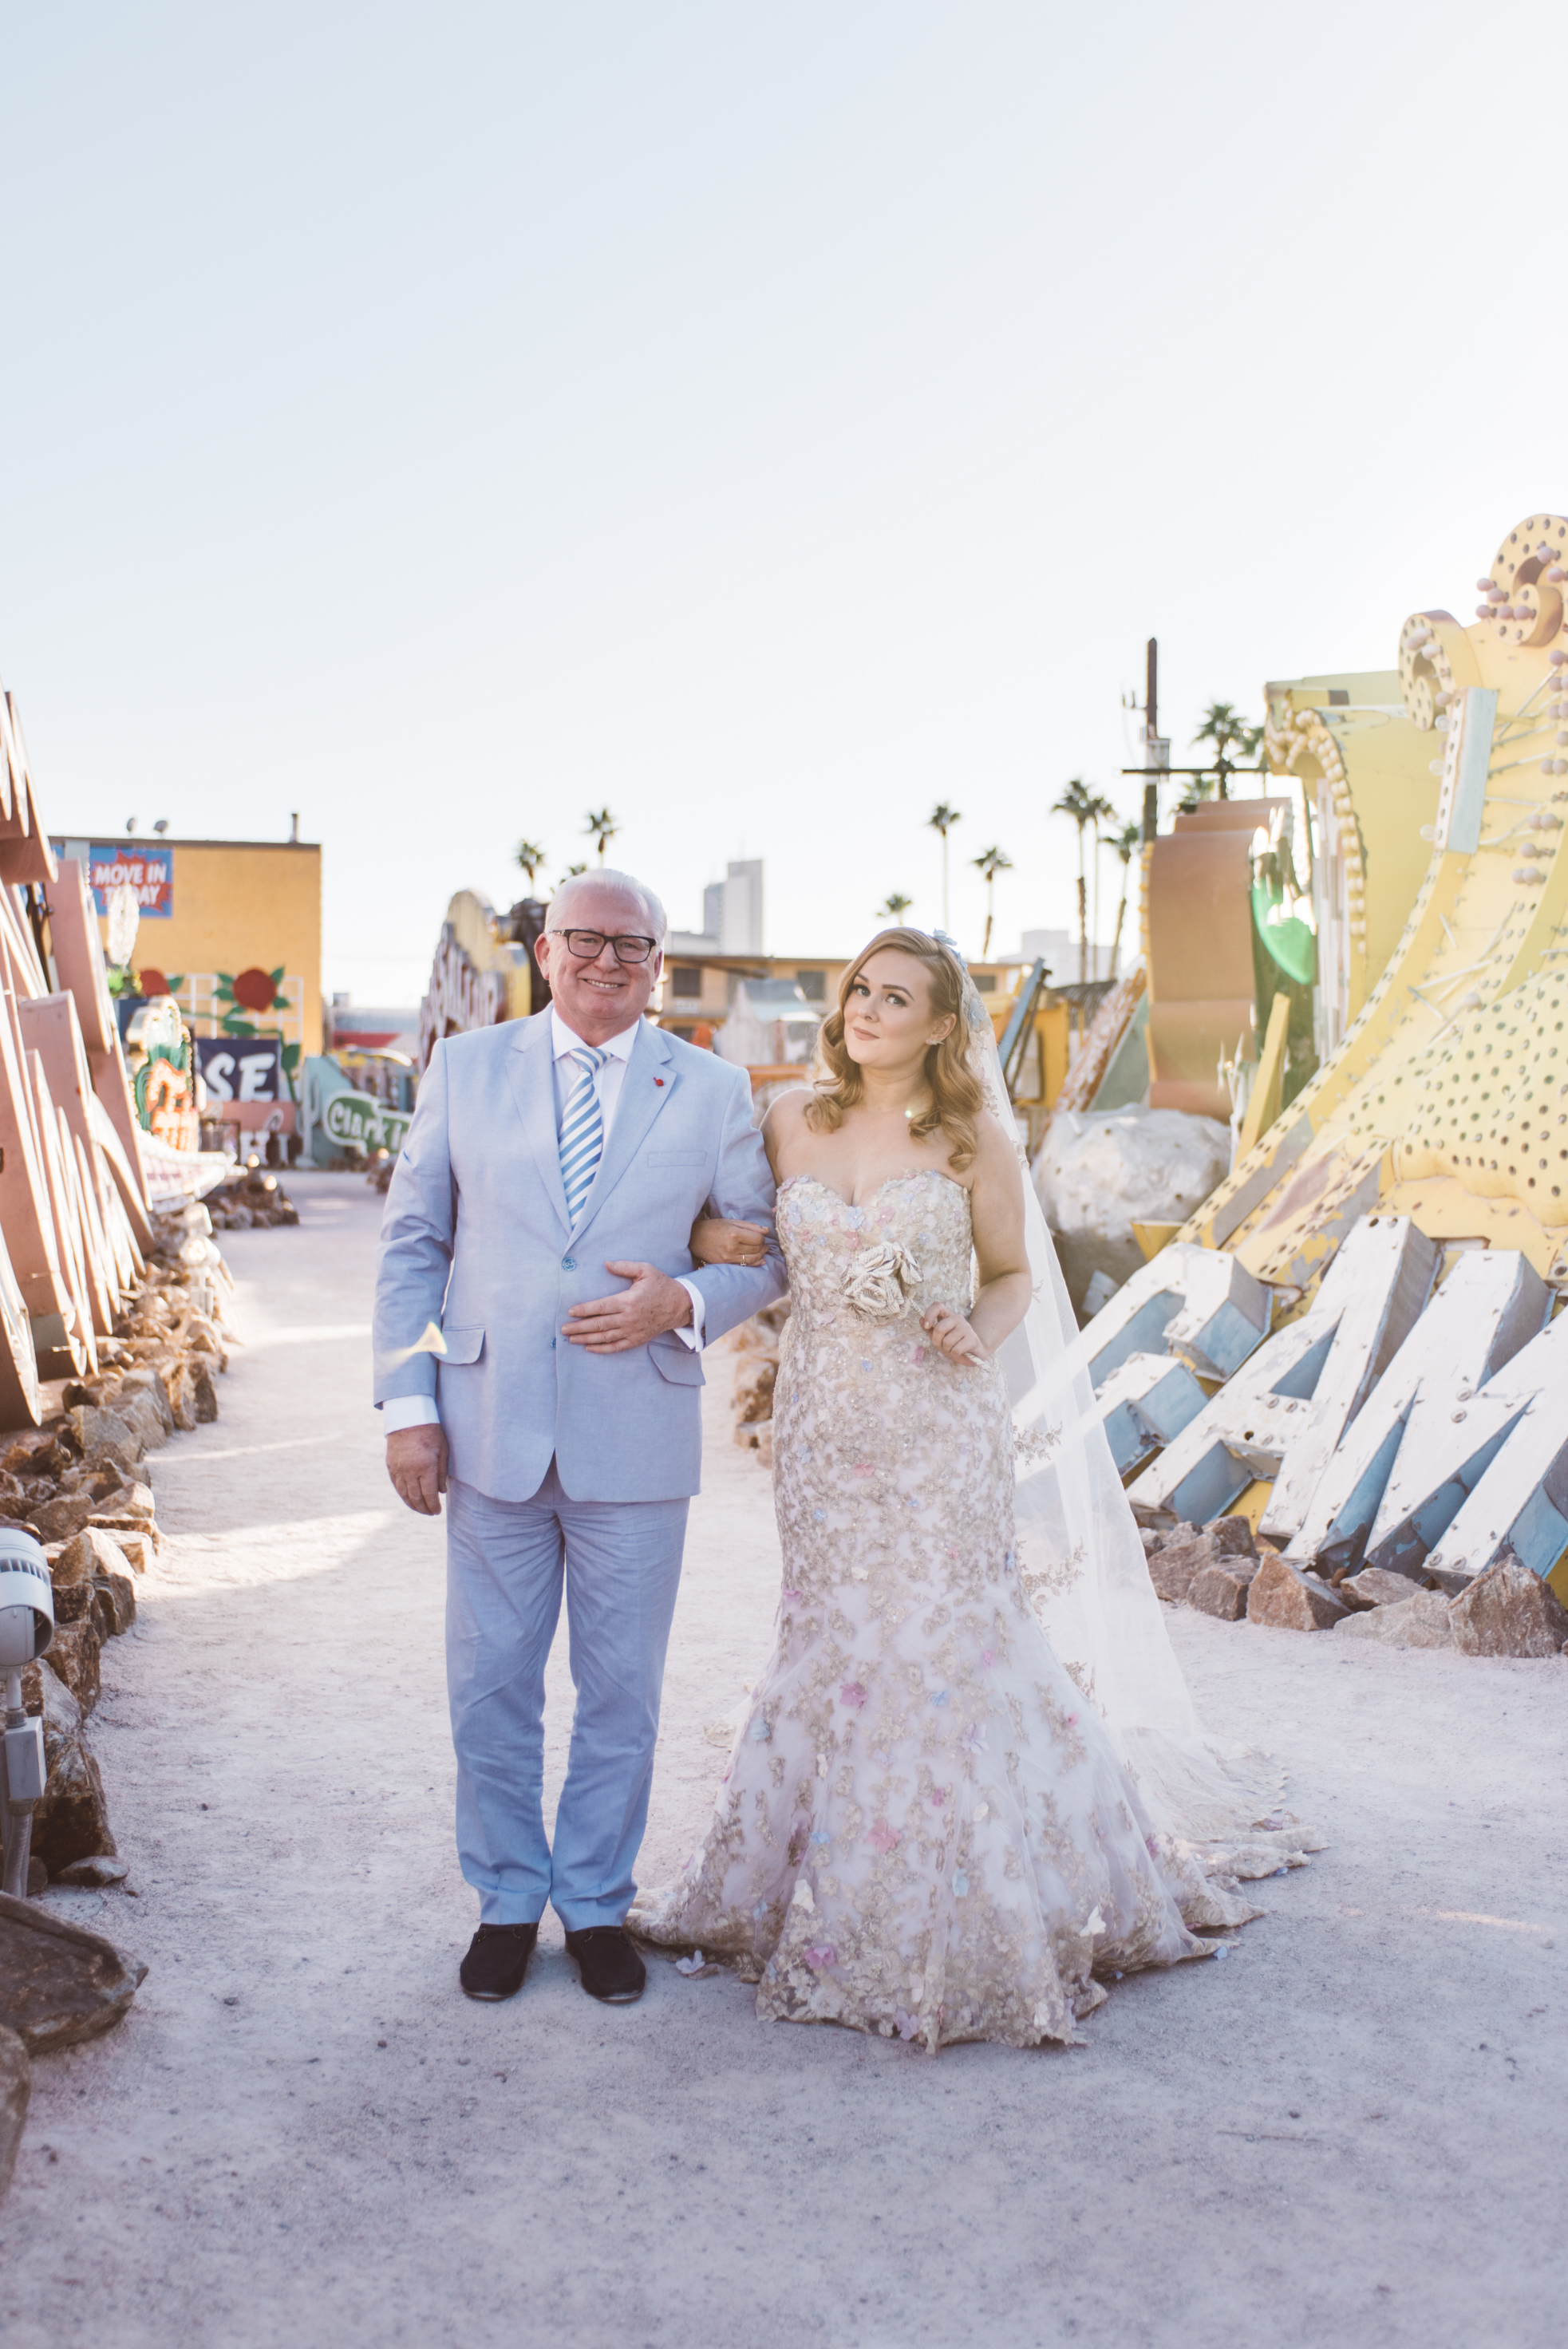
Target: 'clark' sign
{"points": [[354, 1118]]}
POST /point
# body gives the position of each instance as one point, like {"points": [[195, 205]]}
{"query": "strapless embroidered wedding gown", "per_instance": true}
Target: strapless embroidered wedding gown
{"points": [[924, 1830]]}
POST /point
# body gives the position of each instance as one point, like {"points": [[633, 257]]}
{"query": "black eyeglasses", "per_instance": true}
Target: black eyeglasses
{"points": [[589, 944]]}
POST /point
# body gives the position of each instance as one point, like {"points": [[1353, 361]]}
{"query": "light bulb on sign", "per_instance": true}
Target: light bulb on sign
{"points": [[124, 920]]}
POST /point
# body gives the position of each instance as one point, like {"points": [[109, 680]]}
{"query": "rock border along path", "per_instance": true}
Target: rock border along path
{"points": [[301, 2134]]}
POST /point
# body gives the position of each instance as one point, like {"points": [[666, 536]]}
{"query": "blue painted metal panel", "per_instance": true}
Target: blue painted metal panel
{"points": [[1142, 1335], [1173, 1404], [1538, 1534], [1302, 1380], [1131, 1440], [1425, 1527], [1208, 1490], [1227, 1338], [1359, 1513]]}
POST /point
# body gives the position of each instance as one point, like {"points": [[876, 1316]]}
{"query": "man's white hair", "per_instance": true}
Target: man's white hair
{"points": [[627, 884]]}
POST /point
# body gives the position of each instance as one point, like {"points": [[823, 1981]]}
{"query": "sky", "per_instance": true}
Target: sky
{"points": [[766, 420]]}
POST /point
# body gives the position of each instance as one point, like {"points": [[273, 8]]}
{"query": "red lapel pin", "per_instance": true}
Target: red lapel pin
{"points": [[658, 1080]]}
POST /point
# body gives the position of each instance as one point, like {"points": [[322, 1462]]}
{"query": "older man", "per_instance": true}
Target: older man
{"points": [[540, 1212]]}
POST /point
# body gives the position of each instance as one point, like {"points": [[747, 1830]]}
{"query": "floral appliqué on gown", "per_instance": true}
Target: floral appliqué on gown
{"points": [[924, 1830]]}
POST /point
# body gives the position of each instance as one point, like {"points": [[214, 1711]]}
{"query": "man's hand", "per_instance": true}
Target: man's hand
{"points": [[614, 1325], [416, 1462]]}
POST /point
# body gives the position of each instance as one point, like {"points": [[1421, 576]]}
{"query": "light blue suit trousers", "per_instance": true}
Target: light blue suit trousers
{"points": [[507, 1561]]}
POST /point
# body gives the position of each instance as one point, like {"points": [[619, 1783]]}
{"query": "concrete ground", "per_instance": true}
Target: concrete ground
{"points": [[1352, 2130]]}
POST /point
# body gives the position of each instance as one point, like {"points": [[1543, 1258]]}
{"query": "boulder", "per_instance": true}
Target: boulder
{"points": [[114, 1604], [142, 1404], [72, 1820], [58, 1984], [71, 1603], [1178, 1559], [73, 1655], [16, 2087], [59, 1520], [1375, 1587], [136, 1548], [1232, 1536], [1509, 1611], [1422, 1622], [133, 1503], [25, 1453], [1097, 1175], [43, 1691], [97, 1873], [181, 1388], [204, 1388], [128, 1511], [87, 1555], [754, 1390], [1288, 1600], [1222, 1589], [202, 1338], [104, 1436]]}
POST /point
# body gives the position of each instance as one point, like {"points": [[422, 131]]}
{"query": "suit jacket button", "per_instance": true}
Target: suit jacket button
{"points": [[568, 1264]]}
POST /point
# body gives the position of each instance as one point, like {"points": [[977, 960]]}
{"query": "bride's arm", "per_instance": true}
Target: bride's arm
{"points": [[996, 1207]]}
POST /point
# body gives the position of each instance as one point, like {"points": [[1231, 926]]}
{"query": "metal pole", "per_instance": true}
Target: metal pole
{"points": [[16, 1818], [1151, 739]]}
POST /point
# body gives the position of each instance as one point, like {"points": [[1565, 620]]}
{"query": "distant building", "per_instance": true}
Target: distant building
{"points": [[231, 927], [1060, 950], [357, 1029], [772, 1024], [732, 916]]}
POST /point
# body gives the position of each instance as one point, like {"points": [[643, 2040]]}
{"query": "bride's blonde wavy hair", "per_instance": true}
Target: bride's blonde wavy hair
{"points": [[956, 1099]]}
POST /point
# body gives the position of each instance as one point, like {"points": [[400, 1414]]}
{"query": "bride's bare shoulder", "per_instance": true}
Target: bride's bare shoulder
{"points": [[785, 1129], [786, 1114]]}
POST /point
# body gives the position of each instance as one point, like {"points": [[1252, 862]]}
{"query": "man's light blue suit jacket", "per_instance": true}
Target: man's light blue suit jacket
{"points": [[475, 1239]]}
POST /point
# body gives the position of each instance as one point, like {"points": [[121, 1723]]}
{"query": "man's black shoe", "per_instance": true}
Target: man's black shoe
{"points": [[607, 1965], [497, 1961]]}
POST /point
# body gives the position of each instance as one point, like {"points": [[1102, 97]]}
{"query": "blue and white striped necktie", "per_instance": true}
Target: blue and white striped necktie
{"points": [[582, 1130]]}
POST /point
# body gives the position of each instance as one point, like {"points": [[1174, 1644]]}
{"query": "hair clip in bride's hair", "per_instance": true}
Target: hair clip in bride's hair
{"points": [[953, 949]]}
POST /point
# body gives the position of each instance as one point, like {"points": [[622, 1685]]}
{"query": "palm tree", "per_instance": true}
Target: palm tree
{"points": [[1125, 844], [530, 856], [895, 904], [1228, 730], [1103, 813], [941, 819], [994, 861], [1081, 804], [602, 826], [573, 872]]}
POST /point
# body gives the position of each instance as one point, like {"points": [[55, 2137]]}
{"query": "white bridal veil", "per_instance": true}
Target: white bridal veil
{"points": [[1083, 1565]]}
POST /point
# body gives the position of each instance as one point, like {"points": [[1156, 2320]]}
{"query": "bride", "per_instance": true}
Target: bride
{"points": [[932, 1826]]}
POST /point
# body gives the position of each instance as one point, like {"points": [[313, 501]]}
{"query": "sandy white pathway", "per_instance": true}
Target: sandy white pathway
{"points": [[1352, 2131]]}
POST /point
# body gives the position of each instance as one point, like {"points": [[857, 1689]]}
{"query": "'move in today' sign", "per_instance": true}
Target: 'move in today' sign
{"points": [[149, 871]]}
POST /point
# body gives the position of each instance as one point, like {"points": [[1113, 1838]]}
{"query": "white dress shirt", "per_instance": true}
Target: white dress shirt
{"points": [[420, 1410]]}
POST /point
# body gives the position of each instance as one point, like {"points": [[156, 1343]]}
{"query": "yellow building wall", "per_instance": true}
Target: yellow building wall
{"points": [[238, 905]]}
